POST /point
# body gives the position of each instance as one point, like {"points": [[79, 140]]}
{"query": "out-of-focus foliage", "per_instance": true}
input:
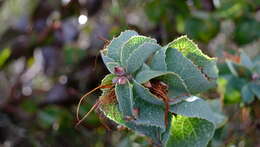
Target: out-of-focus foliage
{"points": [[239, 85], [48, 60], [242, 84]]}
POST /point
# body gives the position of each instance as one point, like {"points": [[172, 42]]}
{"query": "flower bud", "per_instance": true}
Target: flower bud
{"points": [[119, 71], [122, 80]]}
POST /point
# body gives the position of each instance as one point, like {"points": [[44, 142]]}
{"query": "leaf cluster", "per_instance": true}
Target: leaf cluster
{"points": [[183, 68]]}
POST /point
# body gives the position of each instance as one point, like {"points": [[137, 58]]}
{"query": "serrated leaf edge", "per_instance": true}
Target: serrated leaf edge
{"points": [[196, 67], [121, 54], [116, 38]]}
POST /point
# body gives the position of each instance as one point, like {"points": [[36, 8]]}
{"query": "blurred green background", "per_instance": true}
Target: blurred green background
{"points": [[49, 57]]}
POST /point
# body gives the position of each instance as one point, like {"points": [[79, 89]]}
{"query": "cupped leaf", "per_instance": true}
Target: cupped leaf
{"points": [[132, 44], [144, 67], [146, 75], [104, 56], [196, 82], [109, 62], [177, 87], [155, 133], [190, 132], [158, 60], [190, 50], [149, 114], [195, 107], [195, 122], [145, 94], [140, 55], [210, 70], [114, 48], [151, 129], [124, 95]]}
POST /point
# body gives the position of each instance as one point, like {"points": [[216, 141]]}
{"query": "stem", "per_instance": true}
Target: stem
{"points": [[87, 94]]}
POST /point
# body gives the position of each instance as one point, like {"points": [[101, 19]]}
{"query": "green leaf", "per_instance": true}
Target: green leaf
{"points": [[190, 50], [210, 70], [124, 95], [145, 94], [158, 60], [177, 87], [115, 46], [146, 75], [195, 107], [144, 67], [109, 62], [111, 66], [216, 108], [247, 94], [231, 68], [196, 82], [239, 70], [149, 114], [108, 79], [190, 132], [140, 55], [153, 128], [132, 44], [150, 131]]}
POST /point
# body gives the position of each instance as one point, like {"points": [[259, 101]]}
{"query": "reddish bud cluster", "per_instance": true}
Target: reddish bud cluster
{"points": [[121, 75], [119, 71]]}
